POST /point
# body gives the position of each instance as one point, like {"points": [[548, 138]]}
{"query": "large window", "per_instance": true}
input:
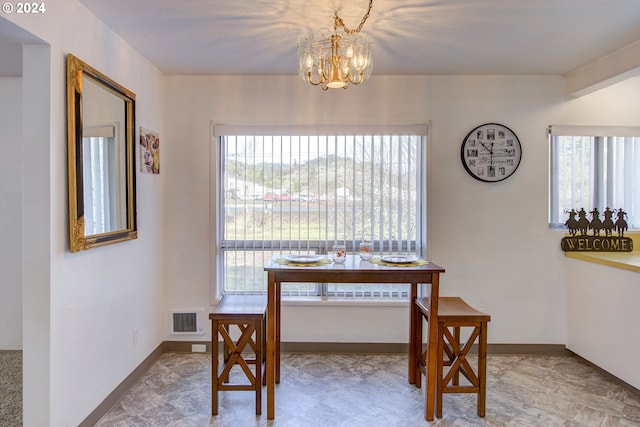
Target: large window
{"points": [[594, 168], [293, 190]]}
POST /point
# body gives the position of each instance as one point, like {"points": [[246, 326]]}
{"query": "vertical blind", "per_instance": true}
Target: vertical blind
{"points": [[594, 167], [300, 193], [100, 186]]}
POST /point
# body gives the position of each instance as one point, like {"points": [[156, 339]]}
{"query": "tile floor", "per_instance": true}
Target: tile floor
{"points": [[371, 390]]}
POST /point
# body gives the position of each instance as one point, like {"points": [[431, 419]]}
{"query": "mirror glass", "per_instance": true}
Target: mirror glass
{"points": [[101, 161]]}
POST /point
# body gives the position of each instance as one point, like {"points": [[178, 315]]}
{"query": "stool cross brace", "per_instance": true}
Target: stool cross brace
{"points": [[233, 352], [457, 360]]}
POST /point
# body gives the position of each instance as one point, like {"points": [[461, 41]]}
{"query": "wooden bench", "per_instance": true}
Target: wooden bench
{"points": [[453, 314], [248, 314]]}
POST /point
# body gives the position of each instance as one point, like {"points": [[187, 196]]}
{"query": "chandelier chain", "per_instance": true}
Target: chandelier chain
{"points": [[338, 22]]}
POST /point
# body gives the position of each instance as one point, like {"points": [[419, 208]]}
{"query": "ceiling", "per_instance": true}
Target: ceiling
{"points": [[259, 37]]}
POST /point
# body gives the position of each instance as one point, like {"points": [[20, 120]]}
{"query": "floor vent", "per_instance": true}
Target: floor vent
{"points": [[187, 322]]}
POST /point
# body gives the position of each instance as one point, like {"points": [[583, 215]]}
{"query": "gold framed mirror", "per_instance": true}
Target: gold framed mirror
{"points": [[101, 162]]}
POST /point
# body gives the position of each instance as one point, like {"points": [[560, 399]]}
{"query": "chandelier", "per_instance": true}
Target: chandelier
{"points": [[336, 59]]}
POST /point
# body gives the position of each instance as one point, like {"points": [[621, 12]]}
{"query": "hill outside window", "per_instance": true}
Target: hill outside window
{"points": [[293, 190]]}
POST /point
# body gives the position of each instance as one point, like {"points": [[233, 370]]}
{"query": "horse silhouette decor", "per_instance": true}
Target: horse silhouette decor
{"points": [[607, 234]]}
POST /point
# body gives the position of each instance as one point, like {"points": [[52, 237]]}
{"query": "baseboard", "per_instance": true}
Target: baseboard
{"points": [[538, 349], [11, 347], [343, 347], [122, 388], [604, 372], [379, 348], [184, 346]]}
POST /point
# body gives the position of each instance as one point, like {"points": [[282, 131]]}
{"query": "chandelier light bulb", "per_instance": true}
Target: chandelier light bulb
{"points": [[350, 52], [336, 77]]}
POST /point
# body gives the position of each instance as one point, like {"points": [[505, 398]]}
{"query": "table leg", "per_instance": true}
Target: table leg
{"points": [[418, 347], [278, 317], [412, 334], [432, 350], [214, 367], [271, 327]]}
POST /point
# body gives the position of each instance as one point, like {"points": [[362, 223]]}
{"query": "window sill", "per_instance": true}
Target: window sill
{"points": [[343, 302], [623, 260]]}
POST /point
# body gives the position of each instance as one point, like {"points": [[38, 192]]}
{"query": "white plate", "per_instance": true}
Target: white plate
{"points": [[399, 259], [304, 259]]}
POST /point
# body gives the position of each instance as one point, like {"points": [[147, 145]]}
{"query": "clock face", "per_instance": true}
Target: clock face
{"points": [[491, 152]]}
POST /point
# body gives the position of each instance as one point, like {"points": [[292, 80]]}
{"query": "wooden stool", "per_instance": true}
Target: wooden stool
{"points": [[453, 314], [248, 313]]}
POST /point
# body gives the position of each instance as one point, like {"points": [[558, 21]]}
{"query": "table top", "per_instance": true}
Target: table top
{"points": [[353, 263]]}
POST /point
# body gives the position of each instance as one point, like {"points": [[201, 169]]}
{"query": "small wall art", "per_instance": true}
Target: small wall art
{"points": [[149, 151]]}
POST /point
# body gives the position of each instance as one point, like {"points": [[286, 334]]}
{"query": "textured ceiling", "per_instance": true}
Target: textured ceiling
{"points": [[259, 37]]}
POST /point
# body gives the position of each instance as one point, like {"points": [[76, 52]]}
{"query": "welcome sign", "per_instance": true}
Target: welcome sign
{"points": [[579, 225], [596, 244]]}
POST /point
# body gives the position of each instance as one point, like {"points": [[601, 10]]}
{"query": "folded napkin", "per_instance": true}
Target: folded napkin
{"points": [[379, 261], [283, 261]]}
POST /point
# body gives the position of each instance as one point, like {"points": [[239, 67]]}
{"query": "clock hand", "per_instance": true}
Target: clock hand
{"points": [[491, 154], [485, 147]]}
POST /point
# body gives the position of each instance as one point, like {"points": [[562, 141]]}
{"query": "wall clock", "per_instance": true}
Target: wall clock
{"points": [[491, 152]]}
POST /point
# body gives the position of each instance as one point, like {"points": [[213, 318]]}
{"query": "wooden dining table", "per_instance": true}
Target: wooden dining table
{"points": [[353, 270]]}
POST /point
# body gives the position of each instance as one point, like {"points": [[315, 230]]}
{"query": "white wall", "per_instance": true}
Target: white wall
{"points": [[36, 229], [492, 239], [602, 314], [86, 305], [10, 213]]}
